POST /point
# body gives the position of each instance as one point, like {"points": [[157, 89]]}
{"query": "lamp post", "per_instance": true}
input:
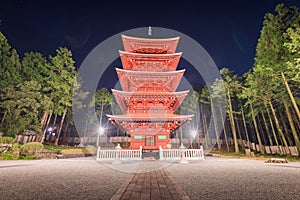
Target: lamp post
{"points": [[182, 149], [100, 131]]}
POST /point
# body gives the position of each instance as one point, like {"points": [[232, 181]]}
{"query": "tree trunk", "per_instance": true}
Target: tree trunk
{"points": [[238, 128], [48, 121], [207, 138], [54, 121], [261, 130], [60, 126], [4, 115], [65, 130], [277, 126], [245, 126], [87, 121], [291, 95], [285, 128], [46, 127], [236, 146], [101, 114], [253, 133], [43, 120], [215, 124], [256, 130], [202, 114], [224, 128], [272, 126], [292, 125], [180, 130], [295, 119], [267, 129]]}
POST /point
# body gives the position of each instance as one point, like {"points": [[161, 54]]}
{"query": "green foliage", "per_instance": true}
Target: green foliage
{"points": [[16, 147], [7, 140], [103, 98], [293, 46], [230, 82], [8, 156], [103, 101], [23, 104], [190, 103], [204, 97], [276, 52], [29, 88], [9, 64], [63, 70], [31, 148], [270, 52]]}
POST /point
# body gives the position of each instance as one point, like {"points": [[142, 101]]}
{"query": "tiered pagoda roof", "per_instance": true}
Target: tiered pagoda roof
{"points": [[144, 102], [149, 45], [149, 62], [150, 123], [149, 80]]}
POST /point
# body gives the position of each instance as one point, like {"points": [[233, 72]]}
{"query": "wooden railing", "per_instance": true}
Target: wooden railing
{"points": [[177, 154], [119, 153]]}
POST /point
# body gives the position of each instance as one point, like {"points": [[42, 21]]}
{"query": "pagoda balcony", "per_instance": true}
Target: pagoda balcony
{"points": [[149, 62], [149, 81], [149, 102], [150, 46]]}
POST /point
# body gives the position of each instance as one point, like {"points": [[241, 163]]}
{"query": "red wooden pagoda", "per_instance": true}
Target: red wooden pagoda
{"points": [[149, 98]]}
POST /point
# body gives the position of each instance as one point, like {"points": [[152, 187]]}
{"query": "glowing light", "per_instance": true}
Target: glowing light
{"points": [[194, 133], [101, 130]]}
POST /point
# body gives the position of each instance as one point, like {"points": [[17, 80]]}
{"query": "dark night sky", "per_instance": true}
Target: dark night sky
{"points": [[228, 30]]}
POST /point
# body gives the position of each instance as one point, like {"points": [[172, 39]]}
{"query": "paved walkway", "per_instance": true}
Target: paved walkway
{"points": [[154, 185]]}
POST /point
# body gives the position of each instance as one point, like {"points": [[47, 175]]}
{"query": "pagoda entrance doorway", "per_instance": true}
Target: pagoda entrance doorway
{"points": [[150, 140]]}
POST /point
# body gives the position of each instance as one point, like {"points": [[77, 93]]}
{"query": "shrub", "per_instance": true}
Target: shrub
{"points": [[31, 148], [8, 156], [15, 149], [7, 140]]}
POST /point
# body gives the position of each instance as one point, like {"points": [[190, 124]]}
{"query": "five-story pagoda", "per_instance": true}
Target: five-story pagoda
{"points": [[149, 98]]}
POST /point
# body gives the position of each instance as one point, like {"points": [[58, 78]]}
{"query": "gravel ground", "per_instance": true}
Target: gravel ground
{"points": [[213, 178], [81, 178], [220, 178]]}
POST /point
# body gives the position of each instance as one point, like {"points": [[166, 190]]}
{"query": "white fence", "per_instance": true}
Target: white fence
{"points": [[280, 150], [118, 153], [177, 154]]}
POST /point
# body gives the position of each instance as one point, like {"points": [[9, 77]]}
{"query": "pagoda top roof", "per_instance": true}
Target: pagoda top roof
{"points": [[149, 39], [150, 45]]}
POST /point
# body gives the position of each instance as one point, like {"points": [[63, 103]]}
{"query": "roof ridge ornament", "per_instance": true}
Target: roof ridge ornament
{"points": [[149, 31]]}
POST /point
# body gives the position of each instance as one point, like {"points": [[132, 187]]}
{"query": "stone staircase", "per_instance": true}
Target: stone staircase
{"points": [[150, 155]]}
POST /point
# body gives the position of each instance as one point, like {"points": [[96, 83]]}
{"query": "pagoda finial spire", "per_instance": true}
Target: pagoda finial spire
{"points": [[149, 31]]}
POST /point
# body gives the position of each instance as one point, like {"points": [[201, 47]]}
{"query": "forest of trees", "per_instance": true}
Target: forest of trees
{"points": [[262, 105]]}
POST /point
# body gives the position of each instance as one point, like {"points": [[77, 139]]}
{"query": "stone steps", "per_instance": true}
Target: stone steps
{"points": [[150, 155]]}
